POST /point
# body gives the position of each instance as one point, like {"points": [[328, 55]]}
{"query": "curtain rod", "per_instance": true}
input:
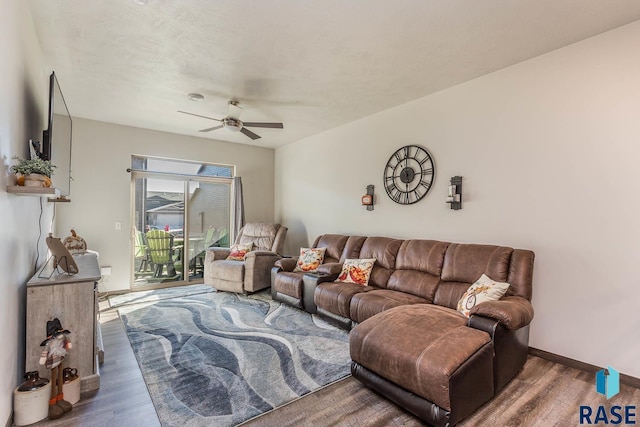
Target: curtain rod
{"points": [[177, 175]]}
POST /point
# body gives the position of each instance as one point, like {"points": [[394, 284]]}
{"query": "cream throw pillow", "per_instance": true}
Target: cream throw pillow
{"points": [[484, 289], [310, 259]]}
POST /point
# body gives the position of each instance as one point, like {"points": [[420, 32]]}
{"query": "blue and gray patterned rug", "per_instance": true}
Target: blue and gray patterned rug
{"points": [[221, 358], [138, 297]]}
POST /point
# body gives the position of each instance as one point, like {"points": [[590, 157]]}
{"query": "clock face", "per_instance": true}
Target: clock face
{"points": [[409, 174]]}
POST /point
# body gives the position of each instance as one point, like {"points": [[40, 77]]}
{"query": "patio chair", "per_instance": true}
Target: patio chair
{"points": [[141, 251], [160, 245]]}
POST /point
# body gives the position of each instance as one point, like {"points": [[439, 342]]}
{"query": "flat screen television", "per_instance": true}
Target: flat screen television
{"points": [[56, 140]]}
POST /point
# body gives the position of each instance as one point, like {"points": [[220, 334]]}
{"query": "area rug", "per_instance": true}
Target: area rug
{"points": [[138, 297], [222, 358]]}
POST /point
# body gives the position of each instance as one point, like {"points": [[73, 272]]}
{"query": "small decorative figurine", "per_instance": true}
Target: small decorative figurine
{"points": [[56, 347], [75, 244]]}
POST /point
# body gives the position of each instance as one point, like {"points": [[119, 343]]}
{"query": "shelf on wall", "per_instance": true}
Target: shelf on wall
{"points": [[52, 193]]}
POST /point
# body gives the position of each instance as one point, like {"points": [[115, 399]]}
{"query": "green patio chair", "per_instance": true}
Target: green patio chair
{"points": [[141, 251], [197, 262], [160, 245]]}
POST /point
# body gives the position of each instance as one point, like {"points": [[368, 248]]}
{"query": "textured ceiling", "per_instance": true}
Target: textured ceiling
{"points": [[313, 65]]}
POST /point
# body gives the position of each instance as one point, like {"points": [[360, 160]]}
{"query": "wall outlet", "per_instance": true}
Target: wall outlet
{"points": [[105, 271], [118, 226]]}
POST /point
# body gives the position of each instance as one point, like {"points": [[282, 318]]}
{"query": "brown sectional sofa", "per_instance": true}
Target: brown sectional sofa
{"points": [[408, 341]]}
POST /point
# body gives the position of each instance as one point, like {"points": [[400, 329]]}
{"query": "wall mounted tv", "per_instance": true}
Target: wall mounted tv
{"points": [[56, 140]]}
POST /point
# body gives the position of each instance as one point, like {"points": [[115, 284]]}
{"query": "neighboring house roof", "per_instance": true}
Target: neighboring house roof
{"points": [[168, 208]]}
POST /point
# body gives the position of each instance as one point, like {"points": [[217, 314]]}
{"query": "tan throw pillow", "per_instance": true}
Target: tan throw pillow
{"points": [[238, 252], [484, 289], [310, 259], [356, 271]]}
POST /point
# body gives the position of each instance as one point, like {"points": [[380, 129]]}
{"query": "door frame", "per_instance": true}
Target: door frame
{"points": [[186, 178]]}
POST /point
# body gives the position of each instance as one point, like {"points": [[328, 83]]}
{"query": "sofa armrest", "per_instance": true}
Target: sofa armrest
{"points": [[214, 254], [286, 264], [330, 268], [318, 278], [513, 312], [257, 265], [255, 254]]}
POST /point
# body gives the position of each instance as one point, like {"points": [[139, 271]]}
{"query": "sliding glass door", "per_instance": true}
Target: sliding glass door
{"points": [[179, 210], [209, 222]]}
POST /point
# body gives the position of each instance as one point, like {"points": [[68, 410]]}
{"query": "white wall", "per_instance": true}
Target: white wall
{"points": [[23, 97], [549, 153], [101, 187]]}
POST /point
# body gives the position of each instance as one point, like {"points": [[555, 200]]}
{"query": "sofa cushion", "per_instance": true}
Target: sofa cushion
{"points": [[310, 259], [483, 290], [419, 347], [289, 283], [335, 297], [449, 293], [464, 263], [367, 304], [261, 234], [229, 270], [414, 282], [422, 255], [418, 267], [352, 248], [334, 244], [385, 251], [467, 262]]}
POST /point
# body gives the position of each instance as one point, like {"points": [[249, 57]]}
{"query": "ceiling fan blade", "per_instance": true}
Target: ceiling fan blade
{"points": [[210, 129], [234, 110], [263, 125], [249, 133], [198, 115]]}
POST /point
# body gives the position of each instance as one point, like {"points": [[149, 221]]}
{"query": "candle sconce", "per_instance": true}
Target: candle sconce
{"points": [[367, 199], [454, 197]]}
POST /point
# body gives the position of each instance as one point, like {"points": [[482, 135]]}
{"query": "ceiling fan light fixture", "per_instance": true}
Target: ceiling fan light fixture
{"points": [[232, 124], [195, 97]]}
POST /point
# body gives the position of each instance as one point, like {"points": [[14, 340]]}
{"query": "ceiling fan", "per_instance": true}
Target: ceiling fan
{"points": [[233, 122]]}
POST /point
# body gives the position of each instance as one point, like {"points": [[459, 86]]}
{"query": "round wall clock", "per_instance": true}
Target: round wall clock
{"points": [[408, 174]]}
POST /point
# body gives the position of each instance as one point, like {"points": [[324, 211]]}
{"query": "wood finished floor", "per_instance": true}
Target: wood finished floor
{"points": [[543, 394], [123, 399]]}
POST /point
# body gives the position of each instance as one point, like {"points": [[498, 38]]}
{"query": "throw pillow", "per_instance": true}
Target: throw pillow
{"points": [[356, 271], [484, 289], [239, 251], [310, 259]]}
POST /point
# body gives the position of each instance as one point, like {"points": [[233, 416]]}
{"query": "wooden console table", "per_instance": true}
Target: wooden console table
{"points": [[73, 300]]}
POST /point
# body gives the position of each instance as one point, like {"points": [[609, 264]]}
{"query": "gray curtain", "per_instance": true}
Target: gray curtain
{"points": [[238, 206]]}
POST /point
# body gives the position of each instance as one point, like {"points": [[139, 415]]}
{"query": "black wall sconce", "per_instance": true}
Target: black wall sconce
{"points": [[367, 199], [454, 198]]}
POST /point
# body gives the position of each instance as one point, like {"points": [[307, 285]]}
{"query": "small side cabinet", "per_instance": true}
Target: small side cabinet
{"points": [[72, 299]]}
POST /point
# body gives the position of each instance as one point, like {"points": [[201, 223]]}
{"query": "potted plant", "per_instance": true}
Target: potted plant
{"points": [[33, 172]]}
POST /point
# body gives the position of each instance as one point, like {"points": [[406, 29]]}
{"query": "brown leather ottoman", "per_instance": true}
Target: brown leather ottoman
{"points": [[426, 359]]}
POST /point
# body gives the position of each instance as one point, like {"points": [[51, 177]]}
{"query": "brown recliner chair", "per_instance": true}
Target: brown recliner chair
{"points": [[297, 288], [252, 274]]}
